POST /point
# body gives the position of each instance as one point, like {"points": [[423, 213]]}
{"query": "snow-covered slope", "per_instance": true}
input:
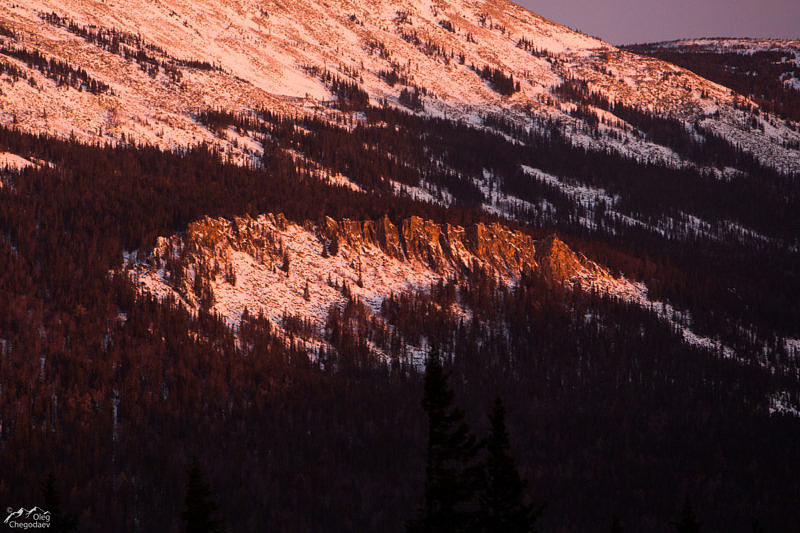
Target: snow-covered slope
{"points": [[787, 51], [737, 45], [13, 161], [242, 54]]}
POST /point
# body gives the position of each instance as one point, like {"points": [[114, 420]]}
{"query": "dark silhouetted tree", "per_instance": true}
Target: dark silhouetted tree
{"points": [[688, 522], [59, 522], [199, 506], [503, 506], [453, 473]]}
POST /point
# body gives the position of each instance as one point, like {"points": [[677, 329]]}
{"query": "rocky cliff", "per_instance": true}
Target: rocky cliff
{"points": [[271, 265], [296, 273], [443, 248]]}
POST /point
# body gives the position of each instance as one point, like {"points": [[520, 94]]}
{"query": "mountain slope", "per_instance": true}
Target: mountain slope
{"points": [[243, 55], [763, 69]]}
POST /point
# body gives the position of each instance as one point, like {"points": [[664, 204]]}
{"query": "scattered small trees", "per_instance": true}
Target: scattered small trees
{"points": [[285, 262], [351, 96], [411, 99], [500, 81]]}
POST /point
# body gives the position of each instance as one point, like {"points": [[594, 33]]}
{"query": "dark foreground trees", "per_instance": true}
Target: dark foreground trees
{"points": [[60, 522], [688, 522], [470, 485], [453, 475], [199, 507], [503, 501]]}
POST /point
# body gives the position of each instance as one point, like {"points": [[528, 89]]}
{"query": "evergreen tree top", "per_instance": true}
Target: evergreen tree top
{"points": [[199, 506]]}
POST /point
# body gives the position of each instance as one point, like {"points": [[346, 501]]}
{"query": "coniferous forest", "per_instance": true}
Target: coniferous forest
{"points": [[543, 409]]}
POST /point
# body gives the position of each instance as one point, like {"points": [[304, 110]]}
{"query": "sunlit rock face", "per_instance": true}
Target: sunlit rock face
{"points": [[276, 267]]}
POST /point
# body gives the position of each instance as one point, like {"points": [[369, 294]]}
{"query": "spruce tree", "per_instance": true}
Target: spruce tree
{"points": [[453, 473], [688, 522], [503, 506], [199, 506], [59, 522]]}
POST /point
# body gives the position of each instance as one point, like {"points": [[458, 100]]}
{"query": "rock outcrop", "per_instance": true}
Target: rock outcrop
{"points": [[445, 247], [273, 266]]}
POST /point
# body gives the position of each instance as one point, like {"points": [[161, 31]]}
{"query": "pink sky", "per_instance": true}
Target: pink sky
{"points": [[634, 21]]}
